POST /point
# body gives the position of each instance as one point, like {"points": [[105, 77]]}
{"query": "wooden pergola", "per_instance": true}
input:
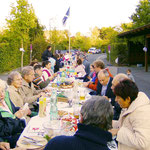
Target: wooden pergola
{"points": [[135, 51]]}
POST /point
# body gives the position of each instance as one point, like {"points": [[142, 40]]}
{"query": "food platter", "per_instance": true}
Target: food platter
{"points": [[66, 85]]}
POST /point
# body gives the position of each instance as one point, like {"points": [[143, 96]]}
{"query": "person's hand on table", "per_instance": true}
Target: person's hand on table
{"points": [[19, 113], [86, 84], [29, 112], [4, 146], [25, 110], [47, 90], [113, 131], [41, 94]]}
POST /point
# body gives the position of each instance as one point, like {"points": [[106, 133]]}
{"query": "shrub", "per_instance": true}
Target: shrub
{"points": [[119, 50]]}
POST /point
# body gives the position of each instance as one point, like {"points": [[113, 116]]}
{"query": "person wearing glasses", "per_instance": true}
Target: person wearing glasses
{"points": [[133, 132], [104, 89]]}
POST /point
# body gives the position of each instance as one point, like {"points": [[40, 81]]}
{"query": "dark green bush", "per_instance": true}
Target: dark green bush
{"points": [[119, 50]]}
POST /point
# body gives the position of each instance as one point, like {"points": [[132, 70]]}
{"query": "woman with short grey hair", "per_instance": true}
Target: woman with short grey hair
{"points": [[97, 112], [11, 77], [15, 82], [92, 134]]}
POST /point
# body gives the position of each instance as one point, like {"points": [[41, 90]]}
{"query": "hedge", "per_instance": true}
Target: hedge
{"points": [[119, 50]]}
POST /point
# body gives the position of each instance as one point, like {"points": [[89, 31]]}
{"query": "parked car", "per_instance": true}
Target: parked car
{"points": [[98, 51], [92, 50]]}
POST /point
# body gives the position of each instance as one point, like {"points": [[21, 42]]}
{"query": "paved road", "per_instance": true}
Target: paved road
{"points": [[142, 78]]}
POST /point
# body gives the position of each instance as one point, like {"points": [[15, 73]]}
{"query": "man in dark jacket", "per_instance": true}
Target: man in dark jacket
{"points": [[92, 133], [47, 53], [104, 89]]}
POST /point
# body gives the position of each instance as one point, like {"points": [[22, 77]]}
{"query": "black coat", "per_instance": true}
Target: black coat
{"points": [[110, 94], [86, 138], [57, 65], [46, 54]]}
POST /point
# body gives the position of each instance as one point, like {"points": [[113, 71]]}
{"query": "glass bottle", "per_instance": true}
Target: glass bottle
{"points": [[53, 107]]}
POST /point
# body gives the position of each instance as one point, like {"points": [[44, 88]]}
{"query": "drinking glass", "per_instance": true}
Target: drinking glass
{"points": [[82, 94]]}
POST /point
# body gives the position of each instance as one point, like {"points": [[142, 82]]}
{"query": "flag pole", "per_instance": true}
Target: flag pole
{"points": [[69, 37], [64, 22]]}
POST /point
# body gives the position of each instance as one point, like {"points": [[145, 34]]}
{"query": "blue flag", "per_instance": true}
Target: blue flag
{"points": [[66, 16]]}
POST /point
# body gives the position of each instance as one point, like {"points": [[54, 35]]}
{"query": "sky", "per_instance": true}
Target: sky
{"points": [[84, 14]]}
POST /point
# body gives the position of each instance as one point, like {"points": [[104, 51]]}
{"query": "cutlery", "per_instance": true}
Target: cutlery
{"points": [[25, 142], [32, 139]]}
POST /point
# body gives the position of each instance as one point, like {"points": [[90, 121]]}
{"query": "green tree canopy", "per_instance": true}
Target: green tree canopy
{"points": [[21, 19], [142, 14]]}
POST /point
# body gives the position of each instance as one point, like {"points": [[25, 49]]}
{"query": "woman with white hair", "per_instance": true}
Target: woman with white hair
{"points": [[11, 124], [14, 81]]}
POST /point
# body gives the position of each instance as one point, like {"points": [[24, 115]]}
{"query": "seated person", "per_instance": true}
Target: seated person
{"points": [[98, 65], [80, 69], [15, 82], [85, 62], [53, 62], [61, 60], [47, 71], [134, 125], [27, 90], [34, 63], [57, 64], [92, 75], [11, 124], [38, 82], [104, 89], [92, 134]]}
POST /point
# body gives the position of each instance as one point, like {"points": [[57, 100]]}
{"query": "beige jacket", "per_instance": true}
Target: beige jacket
{"points": [[15, 96], [29, 94], [134, 133]]}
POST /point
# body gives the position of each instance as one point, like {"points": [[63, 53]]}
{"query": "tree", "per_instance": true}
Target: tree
{"points": [[21, 19], [142, 14], [125, 27], [94, 36], [38, 30], [107, 35]]}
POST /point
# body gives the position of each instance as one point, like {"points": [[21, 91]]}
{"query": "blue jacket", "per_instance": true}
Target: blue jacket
{"points": [[86, 138]]}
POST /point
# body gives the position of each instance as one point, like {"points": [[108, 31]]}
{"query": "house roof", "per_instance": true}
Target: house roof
{"points": [[143, 30]]}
